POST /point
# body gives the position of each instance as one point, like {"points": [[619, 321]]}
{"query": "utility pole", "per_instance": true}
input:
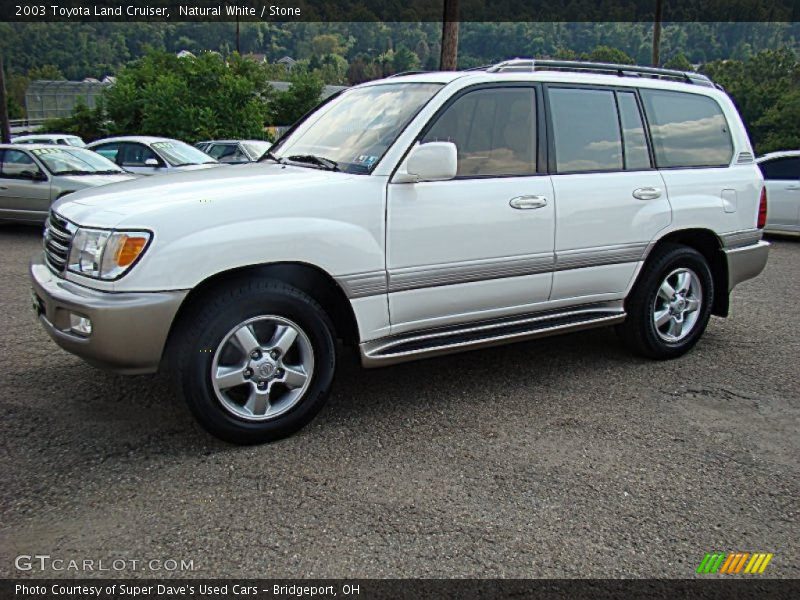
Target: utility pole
{"points": [[5, 126], [657, 34], [238, 46], [449, 56]]}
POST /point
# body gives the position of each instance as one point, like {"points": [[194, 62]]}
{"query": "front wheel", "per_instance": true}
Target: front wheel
{"points": [[670, 305], [255, 361]]}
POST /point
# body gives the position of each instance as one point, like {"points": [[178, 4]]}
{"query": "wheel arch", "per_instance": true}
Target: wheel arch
{"points": [[308, 278], [707, 243]]}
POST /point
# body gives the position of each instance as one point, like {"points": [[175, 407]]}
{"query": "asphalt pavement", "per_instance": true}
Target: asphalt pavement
{"points": [[562, 457]]}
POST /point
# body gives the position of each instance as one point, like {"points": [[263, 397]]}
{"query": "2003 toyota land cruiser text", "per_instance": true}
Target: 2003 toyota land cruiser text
{"points": [[413, 216]]}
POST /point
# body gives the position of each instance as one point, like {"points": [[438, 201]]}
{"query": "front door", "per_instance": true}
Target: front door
{"points": [[782, 178], [22, 195], [610, 201], [479, 246]]}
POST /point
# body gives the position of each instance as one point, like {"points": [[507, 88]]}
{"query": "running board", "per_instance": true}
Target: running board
{"points": [[447, 340]]}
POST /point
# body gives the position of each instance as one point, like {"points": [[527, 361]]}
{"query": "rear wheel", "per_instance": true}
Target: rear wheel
{"points": [[255, 361], [670, 305]]}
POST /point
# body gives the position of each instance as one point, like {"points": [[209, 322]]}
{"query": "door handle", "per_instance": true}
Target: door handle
{"points": [[2, 187], [647, 193], [793, 188], [528, 202]]}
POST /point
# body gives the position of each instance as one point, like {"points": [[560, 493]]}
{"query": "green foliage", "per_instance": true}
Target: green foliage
{"points": [[764, 88], [303, 95], [190, 98], [88, 123], [679, 62], [607, 54]]}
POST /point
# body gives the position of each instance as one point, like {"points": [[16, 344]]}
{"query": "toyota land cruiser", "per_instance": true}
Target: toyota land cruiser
{"points": [[413, 216]]}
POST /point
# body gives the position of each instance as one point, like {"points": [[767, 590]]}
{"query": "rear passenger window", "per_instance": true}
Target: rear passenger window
{"points": [[585, 130], [493, 130], [688, 130], [633, 138], [781, 168]]}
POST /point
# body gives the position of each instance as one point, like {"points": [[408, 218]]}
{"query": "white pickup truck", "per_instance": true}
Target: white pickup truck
{"points": [[413, 216]]}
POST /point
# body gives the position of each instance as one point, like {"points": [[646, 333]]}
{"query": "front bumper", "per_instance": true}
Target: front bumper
{"points": [[746, 262], [129, 330]]}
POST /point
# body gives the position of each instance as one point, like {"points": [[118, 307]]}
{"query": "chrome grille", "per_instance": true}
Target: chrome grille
{"points": [[58, 234]]}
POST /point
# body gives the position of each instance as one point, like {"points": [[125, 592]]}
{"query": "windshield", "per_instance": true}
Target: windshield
{"points": [[179, 154], [357, 128], [67, 160]]}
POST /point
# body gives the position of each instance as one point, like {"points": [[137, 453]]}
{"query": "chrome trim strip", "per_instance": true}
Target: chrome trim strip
{"points": [[745, 237], [360, 285], [451, 339], [582, 258], [421, 277]]}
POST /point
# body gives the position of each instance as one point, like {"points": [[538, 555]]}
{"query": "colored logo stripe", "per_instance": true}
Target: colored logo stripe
{"points": [[734, 562]]}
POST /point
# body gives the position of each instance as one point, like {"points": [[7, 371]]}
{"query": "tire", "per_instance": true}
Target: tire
{"points": [[680, 327], [258, 396]]}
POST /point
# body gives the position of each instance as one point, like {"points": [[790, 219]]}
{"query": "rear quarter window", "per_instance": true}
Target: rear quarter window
{"points": [[688, 130]]}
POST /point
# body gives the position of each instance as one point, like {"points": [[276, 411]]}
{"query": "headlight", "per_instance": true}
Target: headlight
{"points": [[105, 254]]}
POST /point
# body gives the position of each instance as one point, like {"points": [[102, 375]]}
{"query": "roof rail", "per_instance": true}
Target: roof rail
{"points": [[531, 65], [401, 73]]}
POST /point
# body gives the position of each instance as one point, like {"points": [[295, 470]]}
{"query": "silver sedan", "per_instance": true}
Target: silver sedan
{"points": [[33, 176]]}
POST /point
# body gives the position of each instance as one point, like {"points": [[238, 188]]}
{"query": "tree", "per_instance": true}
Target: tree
{"points": [[87, 123], [781, 124], [610, 55], [679, 62], [303, 95], [190, 98]]}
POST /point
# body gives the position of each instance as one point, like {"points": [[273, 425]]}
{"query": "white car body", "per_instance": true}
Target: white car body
{"points": [[60, 139], [424, 266], [151, 157], [782, 179]]}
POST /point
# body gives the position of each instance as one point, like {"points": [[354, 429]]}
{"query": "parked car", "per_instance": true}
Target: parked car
{"points": [[782, 177], [145, 155], [414, 216], [234, 151], [61, 139], [32, 176]]}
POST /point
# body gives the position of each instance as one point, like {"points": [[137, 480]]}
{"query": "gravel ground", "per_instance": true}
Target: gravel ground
{"points": [[564, 457]]}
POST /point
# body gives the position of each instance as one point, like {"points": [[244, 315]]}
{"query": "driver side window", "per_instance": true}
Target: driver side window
{"points": [[135, 155], [18, 165], [494, 131]]}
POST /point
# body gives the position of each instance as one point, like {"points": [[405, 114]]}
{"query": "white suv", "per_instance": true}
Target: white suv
{"points": [[409, 217]]}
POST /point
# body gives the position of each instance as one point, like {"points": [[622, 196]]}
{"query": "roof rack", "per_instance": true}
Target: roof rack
{"points": [[530, 65], [401, 73]]}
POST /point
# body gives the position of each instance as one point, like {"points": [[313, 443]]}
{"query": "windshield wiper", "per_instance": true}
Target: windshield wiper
{"points": [[109, 172], [187, 164], [269, 155], [75, 172], [320, 161]]}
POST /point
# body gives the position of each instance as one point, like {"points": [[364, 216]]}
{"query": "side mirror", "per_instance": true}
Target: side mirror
{"points": [[152, 162], [434, 161]]}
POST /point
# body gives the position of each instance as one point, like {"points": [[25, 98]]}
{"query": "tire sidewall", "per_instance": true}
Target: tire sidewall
{"points": [[676, 258], [196, 372]]}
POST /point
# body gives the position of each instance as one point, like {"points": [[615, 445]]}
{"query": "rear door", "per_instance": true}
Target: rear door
{"points": [[782, 178], [610, 201]]}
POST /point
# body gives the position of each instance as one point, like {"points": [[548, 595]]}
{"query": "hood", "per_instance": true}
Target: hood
{"points": [[140, 201], [80, 181], [196, 167]]}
